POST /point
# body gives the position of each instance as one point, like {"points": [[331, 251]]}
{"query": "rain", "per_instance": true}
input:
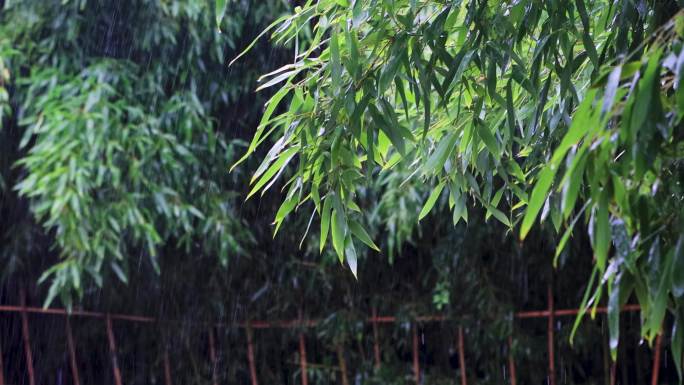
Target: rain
{"points": [[341, 192]]}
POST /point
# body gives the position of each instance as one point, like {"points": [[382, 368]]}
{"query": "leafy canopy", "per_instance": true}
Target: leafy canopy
{"points": [[569, 112], [114, 133]]}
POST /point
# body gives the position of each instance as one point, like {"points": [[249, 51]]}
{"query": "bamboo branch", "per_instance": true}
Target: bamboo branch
{"points": [[656, 360]]}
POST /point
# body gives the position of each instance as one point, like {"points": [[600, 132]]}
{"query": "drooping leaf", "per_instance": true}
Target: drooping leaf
{"points": [[602, 232], [360, 233], [537, 198], [325, 222], [432, 199], [439, 156], [350, 253], [220, 10]]}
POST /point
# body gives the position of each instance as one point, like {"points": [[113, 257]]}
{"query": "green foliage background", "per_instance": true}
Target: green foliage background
{"points": [[119, 122]]}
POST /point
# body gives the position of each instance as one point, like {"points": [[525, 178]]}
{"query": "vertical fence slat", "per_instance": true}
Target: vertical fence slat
{"points": [[550, 319], [416, 361], [212, 357], [461, 356], [72, 352], [343, 364], [167, 368], [302, 359], [112, 351], [376, 339], [2, 368], [656, 360], [250, 356], [26, 338], [511, 362]]}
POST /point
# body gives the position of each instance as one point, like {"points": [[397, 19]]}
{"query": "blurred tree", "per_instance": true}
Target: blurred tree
{"points": [[116, 133]]}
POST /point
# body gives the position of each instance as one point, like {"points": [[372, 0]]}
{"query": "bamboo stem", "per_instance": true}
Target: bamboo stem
{"points": [[461, 356], [72, 352], [656, 360], [343, 364], [250, 357], [112, 350], [26, 338]]}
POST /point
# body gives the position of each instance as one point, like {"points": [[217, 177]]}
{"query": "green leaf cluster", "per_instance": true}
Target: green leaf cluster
{"points": [[111, 146], [567, 112]]}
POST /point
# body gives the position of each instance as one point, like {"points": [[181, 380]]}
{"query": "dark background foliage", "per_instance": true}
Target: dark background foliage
{"points": [[157, 226]]}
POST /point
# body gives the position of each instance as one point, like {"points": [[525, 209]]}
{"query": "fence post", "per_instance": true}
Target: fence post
{"points": [[302, 359], [112, 350], [250, 355], [511, 361], [343, 364], [416, 363], [376, 339], [2, 368], [212, 356], [26, 338], [167, 368], [72, 352], [461, 356], [656, 360], [551, 318]]}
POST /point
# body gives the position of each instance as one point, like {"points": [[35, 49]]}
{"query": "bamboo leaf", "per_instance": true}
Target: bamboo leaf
{"points": [[220, 10], [431, 200], [436, 161], [274, 169], [350, 253], [537, 199], [602, 232], [325, 222], [360, 233], [678, 270], [486, 135], [335, 62]]}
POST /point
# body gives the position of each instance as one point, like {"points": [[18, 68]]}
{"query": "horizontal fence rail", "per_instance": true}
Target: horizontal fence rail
{"points": [[284, 324]]}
